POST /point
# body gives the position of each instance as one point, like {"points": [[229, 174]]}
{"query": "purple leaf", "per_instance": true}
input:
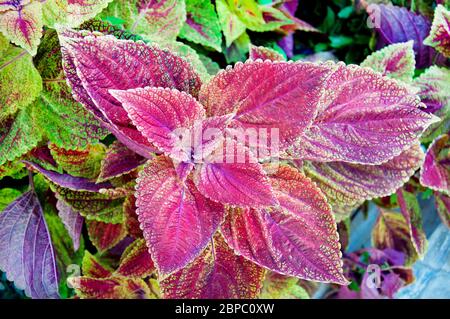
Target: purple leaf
{"points": [[69, 181], [218, 273], [227, 178], [73, 222], [362, 118], [435, 172], [119, 160], [266, 95], [26, 252], [396, 24], [177, 220], [96, 64], [297, 238]]}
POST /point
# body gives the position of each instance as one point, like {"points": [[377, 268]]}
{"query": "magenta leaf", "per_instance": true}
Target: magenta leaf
{"points": [[297, 238], [158, 112], [439, 37], [218, 273], [396, 24], [96, 64], [435, 172], [69, 181], [73, 222], [231, 175], [177, 220], [119, 160], [362, 118], [266, 95], [26, 253], [350, 184]]}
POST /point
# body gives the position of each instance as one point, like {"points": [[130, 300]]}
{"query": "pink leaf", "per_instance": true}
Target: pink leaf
{"points": [[158, 112], [266, 95], [435, 172], [217, 273], [177, 220], [96, 64], [362, 118], [26, 253], [231, 175], [297, 238]]}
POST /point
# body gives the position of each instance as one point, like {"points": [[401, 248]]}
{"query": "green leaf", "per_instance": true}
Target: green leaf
{"points": [[7, 195], [20, 82], [18, 135], [346, 12], [277, 286], [80, 162], [158, 21], [69, 13], [202, 24], [232, 26], [13, 169], [238, 49], [340, 41]]}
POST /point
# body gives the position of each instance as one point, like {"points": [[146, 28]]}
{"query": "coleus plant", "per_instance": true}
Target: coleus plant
{"points": [[277, 218], [212, 217]]}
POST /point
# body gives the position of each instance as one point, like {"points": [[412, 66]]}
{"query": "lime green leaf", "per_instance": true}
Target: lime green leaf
{"points": [[20, 82], [202, 25], [238, 49], [70, 13], [18, 135], [232, 26], [7, 195], [277, 286], [159, 21]]}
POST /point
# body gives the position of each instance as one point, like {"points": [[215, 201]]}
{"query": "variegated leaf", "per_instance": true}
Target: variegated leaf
{"points": [[439, 37], [435, 172]]}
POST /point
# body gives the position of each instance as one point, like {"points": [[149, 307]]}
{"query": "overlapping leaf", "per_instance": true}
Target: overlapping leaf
{"points": [[118, 160], [435, 172], [396, 24], [439, 37], [156, 20], [94, 268], [391, 231], [105, 236], [266, 95], [73, 222], [434, 91], [218, 273], [177, 220], [202, 25], [297, 238], [232, 26], [71, 13], [277, 286], [443, 207], [20, 82], [264, 53], [26, 252], [111, 288], [350, 184], [395, 61], [362, 118], [88, 60], [136, 261], [411, 211]]}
